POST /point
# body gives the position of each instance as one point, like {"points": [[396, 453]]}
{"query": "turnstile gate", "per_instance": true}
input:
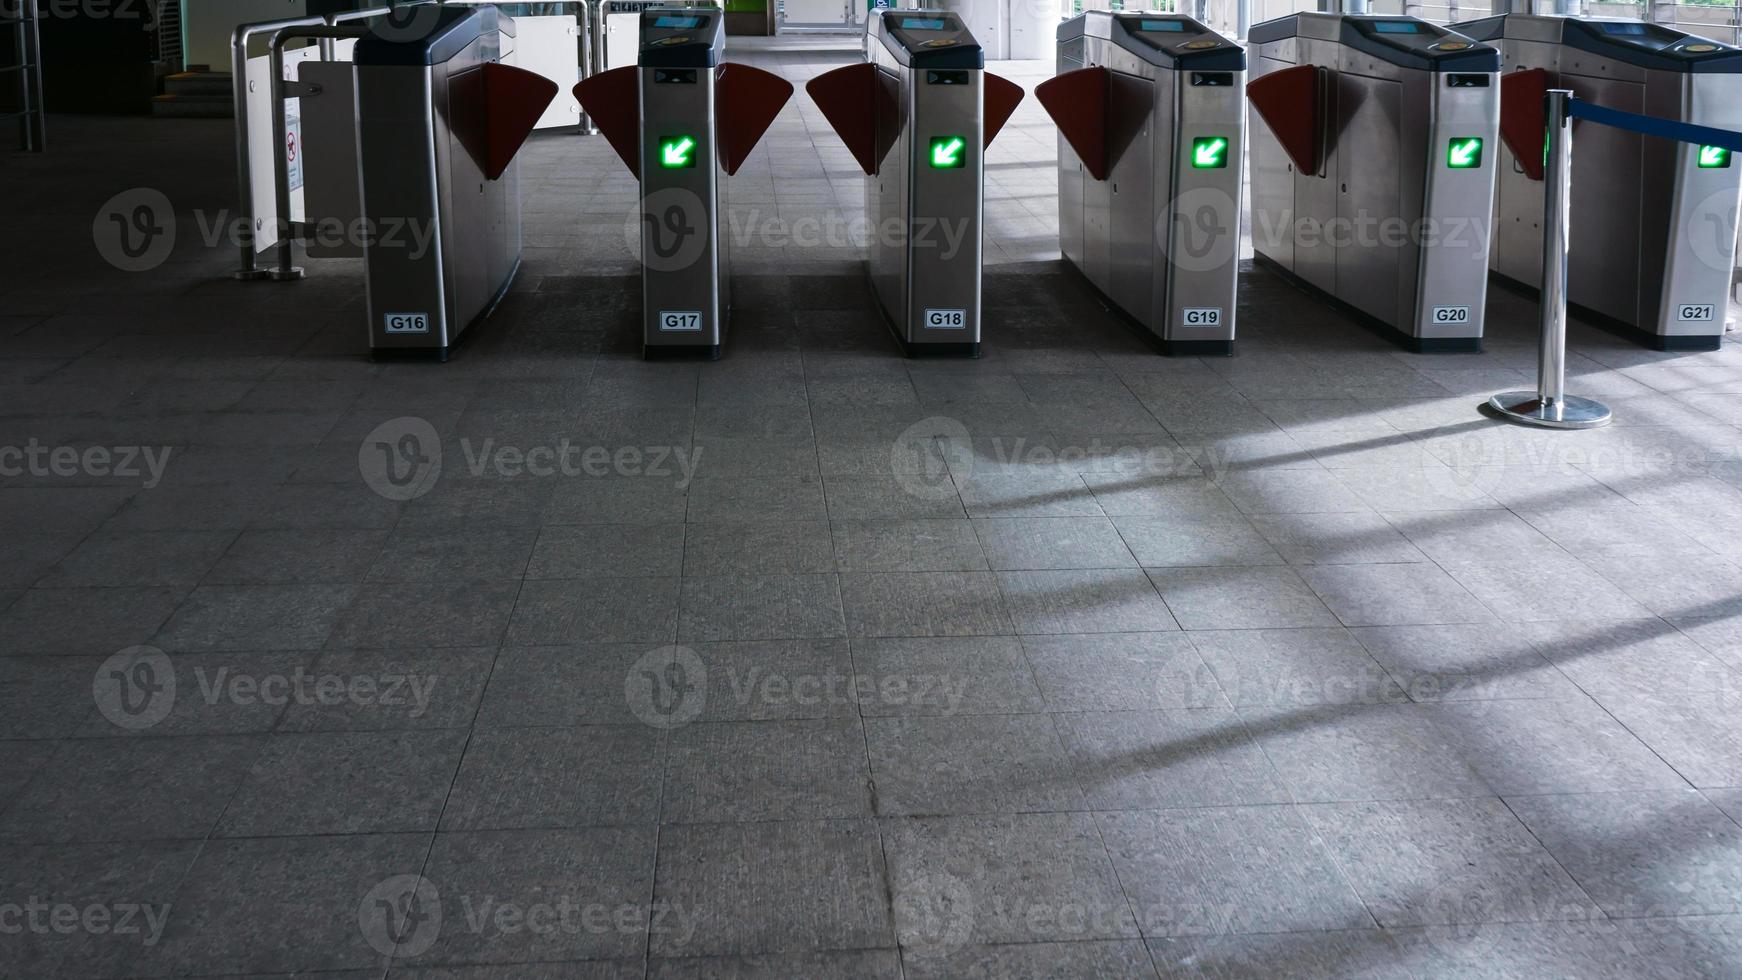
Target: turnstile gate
{"points": [[1151, 110], [918, 116], [684, 119], [1653, 235], [437, 123], [1373, 178]]}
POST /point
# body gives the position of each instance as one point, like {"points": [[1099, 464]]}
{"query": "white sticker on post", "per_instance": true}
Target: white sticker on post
{"points": [[1698, 312], [1451, 314], [1202, 316], [680, 321], [946, 319], [406, 322]]}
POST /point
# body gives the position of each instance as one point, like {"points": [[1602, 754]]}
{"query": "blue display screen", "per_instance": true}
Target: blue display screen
{"points": [[1634, 29], [680, 23], [923, 24], [1397, 27], [1173, 26]]}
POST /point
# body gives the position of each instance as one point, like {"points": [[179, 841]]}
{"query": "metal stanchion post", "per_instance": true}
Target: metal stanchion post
{"points": [[1549, 405]]}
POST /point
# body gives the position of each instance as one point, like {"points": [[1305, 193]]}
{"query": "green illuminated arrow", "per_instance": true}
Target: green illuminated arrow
{"points": [[1714, 156], [1464, 153], [1208, 152], [677, 153], [947, 153]]}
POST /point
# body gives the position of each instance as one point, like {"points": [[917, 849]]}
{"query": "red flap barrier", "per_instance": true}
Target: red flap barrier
{"points": [[746, 101], [493, 109], [1523, 123], [1000, 100], [1077, 102], [848, 98], [613, 100], [1291, 101]]}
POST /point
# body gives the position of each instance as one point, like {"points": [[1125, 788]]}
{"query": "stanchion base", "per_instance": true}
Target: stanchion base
{"points": [[291, 274], [250, 275], [1571, 412]]}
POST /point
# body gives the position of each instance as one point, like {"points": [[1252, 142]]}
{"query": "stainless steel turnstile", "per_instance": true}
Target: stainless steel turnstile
{"points": [[684, 120], [1373, 172], [1653, 238], [1151, 110], [918, 116], [439, 122]]}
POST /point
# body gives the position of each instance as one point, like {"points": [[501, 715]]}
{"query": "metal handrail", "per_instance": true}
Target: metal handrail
{"points": [[32, 107], [239, 94], [287, 237]]}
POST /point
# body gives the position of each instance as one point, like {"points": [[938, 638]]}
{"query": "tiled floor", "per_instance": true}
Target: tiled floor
{"points": [[1073, 661]]}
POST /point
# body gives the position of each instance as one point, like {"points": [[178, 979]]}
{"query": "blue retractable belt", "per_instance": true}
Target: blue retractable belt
{"points": [[1653, 126]]}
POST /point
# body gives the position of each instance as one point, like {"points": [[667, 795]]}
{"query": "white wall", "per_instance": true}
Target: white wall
{"points": [[209, 23]]}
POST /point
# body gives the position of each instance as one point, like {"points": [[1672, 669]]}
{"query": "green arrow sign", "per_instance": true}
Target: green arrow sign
{"points": [[677, 152], [946, 152], [1464, 153], [1714, 157], [1210, 152]]}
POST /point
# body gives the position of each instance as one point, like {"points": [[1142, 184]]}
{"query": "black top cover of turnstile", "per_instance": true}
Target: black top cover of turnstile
{"points": [[1630, 42], [1403, 41], [1167, 40], [930, 39], [682, 37], [424, 34]]}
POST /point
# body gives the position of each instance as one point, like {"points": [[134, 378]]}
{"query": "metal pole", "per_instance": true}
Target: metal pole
{"points": [[244, 168], [33, 103], [330, 46], [1355, 6], [1242, 18], [1549, 405]]}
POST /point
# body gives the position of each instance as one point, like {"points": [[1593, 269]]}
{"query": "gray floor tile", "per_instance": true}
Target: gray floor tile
{"points": [[120, 559], [607, 871], [1003, 878], [1362, 752], [1394, 595], [1353, 954], [130, 789], [1463, 536], [45, 698], [380, 690], [1440, 862], [969, 764], [1173, 865], [1111, 959], [255, 617], [617, 500], [1146, 759], [907, 546], [923, 604], [146, 692], [1084, 601], [579, 684], [72, 509], [557, 778], [345, 783], [428, 614], [1644, 658], [1465, 662], [1032, 492], [1167, 542], [767, 770], [1114, 671], [1554, 589], [145, 878], [1567, 745], [460, 553], [762, 607], [84, 621], [1700, 736], [890, 497], [1052, 543], [732, 499], [944, 676], [1180, 498], [1642, 854], [1355, 537], [769, 548], [30, 556], [608, 551], [1239, 598], [760, 680], [1298, 666], [773, 887], [1678, 585], [302, 557], [845, 964], [595, 610], [1289, 491]]}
